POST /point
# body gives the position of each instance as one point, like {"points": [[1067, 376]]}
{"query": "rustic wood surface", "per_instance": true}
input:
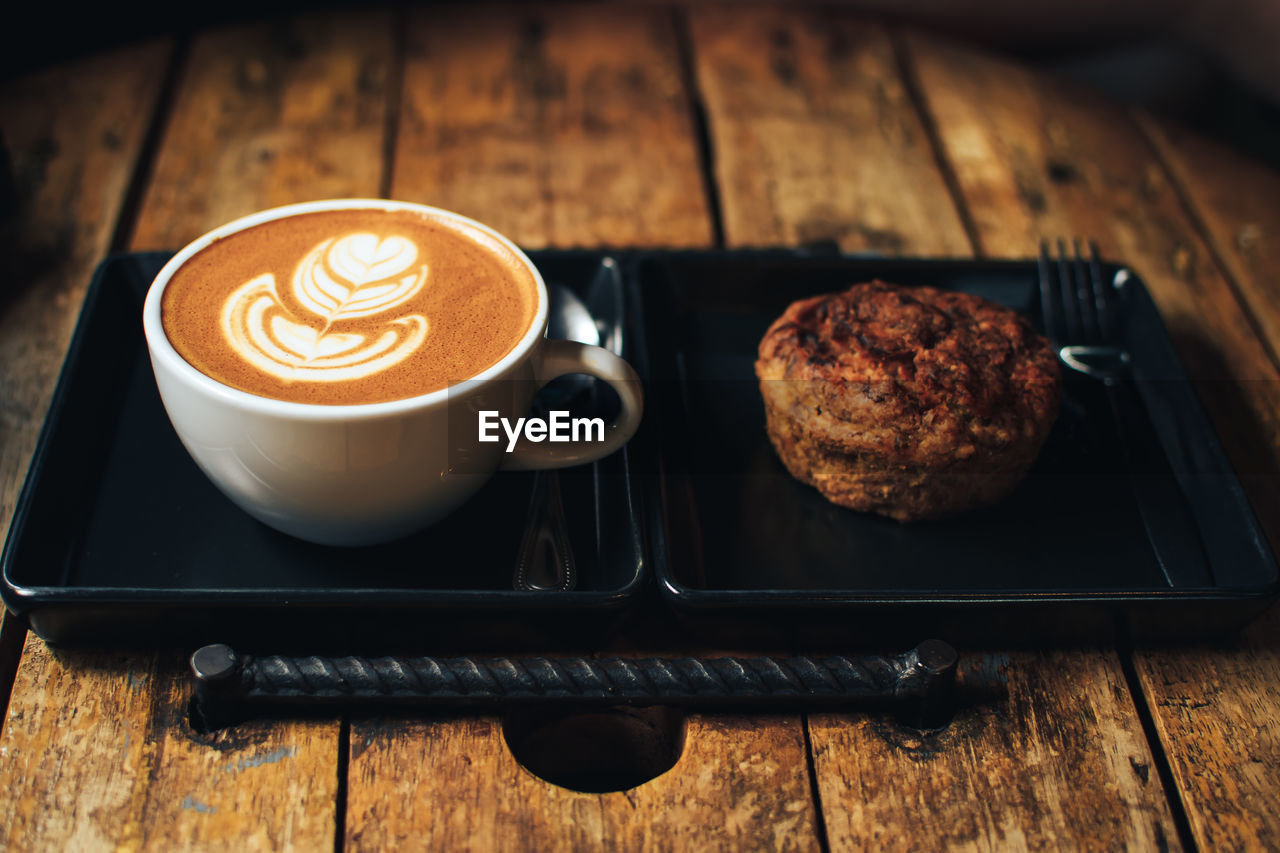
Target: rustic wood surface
{"points": [[740, 782], [559, 127], [1233, 203], [1058, 161], [1051, 758], [267, 115], [543, 137], [70, 162], [815, 135], [582, 126], [1070, 164], [304, 111], [1215, 708], [832, 80]]}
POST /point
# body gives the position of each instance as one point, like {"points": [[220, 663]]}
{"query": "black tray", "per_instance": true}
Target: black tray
{"points": [[758, 557], [119, 538]]}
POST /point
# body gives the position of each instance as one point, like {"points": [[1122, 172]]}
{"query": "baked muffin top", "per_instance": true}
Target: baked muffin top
{"points": [[921, 372]]}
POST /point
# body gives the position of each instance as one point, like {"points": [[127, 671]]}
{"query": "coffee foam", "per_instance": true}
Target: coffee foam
{"points": [[379, 305], [356, 275]]}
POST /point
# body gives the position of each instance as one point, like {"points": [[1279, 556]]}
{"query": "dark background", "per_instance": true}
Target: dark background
{"points": [[1140, 52]]}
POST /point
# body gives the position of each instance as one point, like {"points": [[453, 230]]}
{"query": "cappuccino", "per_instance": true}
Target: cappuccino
{"points": [[349, 306]]}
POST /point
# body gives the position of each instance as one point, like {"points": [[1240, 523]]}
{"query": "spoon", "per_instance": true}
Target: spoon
{"points": [[545, 561], [567, 319]]}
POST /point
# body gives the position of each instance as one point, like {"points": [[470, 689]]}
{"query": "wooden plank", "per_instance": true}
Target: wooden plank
{"points": [[71, 137], [815, 137], [1054, 738], [97, 752], [1234, 200], [559, 126], [66, 160], [1048, 161], [269, 115], [1051, 160], [75, 741], [1045, 160], [1053, 758], [1216, 708], [454, 785], [563, 126]]}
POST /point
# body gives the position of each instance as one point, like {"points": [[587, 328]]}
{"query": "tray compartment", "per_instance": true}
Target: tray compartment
{"points": [[743, 540], [120, 538]]}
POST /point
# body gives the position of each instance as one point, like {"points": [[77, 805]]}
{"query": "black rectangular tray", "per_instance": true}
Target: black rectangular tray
{"points": [[754, 556], [118, 538]]}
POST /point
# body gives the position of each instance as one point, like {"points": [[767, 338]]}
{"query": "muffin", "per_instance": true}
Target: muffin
{"points": [[910, 402]]}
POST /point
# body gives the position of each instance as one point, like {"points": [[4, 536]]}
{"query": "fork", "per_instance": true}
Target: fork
{"points": [[1083, 315]]}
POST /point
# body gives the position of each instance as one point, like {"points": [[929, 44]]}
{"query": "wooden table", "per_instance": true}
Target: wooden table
{"points": [[646, 126]]}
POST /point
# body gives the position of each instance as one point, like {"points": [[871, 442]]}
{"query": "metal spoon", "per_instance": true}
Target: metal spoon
{"points": [[568, 319], [545, 561]]}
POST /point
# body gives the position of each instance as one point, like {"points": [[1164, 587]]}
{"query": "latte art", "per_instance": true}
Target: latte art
{"points": [[358, 275], [349, 306]]}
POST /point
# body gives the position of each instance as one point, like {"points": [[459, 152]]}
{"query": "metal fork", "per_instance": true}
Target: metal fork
{"points": [[1080, 311], [1083, 315]]}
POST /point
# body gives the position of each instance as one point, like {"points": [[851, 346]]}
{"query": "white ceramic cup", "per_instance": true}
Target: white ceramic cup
{"points": [[369, 473]]}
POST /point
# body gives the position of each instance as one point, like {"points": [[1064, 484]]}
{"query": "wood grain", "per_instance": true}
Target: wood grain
{"points": [[1215, 708], [271, 114], [1049, 756], [96, 750], [1053, 160], [1069, 767], [1235, 201], [529, 119], [559, 126], [740, 782], [815, 136], [1034, 159], [76, 740], [71, 137], [65, 164], [96, 754], [563, 127]]}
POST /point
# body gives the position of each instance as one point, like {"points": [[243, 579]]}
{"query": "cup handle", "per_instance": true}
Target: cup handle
{"points": [[563, 357]]}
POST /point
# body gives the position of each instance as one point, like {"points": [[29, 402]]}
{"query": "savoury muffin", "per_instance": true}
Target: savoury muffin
{"points": [[910, 402]]}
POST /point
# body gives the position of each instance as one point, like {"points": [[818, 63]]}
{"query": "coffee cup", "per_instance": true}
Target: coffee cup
{"points": [[348, 371]]}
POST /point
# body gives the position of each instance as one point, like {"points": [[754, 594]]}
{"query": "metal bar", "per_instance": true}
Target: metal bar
{"points": [[230, 687]]}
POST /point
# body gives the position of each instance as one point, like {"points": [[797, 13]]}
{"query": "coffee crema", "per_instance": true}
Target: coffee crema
{"points": [[352, 306]]}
